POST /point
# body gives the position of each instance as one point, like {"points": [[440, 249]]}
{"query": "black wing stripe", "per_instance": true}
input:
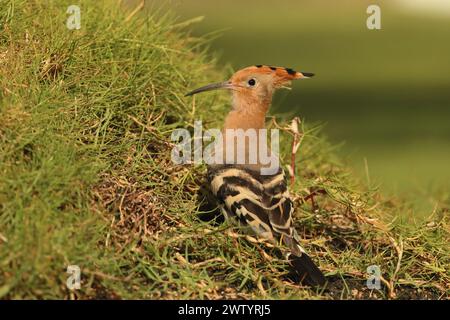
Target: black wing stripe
{"points": [[243, 182], [262, 202], [256, 211]]}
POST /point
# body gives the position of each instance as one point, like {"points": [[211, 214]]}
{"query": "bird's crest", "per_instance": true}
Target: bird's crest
{"points": [[279, 76], [282, 72]]}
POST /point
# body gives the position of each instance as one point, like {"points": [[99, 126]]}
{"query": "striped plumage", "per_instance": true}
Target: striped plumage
{"points": [[244, 194], [262, 203]]}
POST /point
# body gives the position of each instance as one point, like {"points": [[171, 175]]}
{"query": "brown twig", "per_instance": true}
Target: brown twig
{"points": [[296, 140], [399, 249], [311, 196], [295, 145]]}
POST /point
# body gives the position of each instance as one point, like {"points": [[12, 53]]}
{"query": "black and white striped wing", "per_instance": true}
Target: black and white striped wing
{"points": [[241, 197], [262, 202]]}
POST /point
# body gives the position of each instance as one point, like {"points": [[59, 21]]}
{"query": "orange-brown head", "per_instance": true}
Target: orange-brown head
{"points": [[255, 84], [252, 89]]}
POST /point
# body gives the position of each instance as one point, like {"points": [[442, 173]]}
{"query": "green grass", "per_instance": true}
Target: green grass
{"points": [[86, 177]]}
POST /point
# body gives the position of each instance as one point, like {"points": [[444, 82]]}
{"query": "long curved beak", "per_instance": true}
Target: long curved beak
{"points": [[209, 87]]}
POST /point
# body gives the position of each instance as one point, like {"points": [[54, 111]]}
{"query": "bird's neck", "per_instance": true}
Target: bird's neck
{"points": [[248, 117], [245, 115]]}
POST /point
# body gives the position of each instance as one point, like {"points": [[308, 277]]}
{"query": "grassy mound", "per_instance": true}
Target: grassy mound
{"points": [[86, 177]]}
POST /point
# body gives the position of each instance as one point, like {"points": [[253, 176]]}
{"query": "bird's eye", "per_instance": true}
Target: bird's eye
{"points": [[251, 82]]}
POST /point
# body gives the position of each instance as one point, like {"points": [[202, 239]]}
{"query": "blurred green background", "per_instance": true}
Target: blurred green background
{"points": [[384, 93]]}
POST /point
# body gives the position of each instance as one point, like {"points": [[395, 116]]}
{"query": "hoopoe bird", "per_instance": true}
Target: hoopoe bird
{"points": [[245, 195]]}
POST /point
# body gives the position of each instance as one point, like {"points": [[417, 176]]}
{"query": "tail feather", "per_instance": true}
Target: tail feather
{"points": [[307, 270]]}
